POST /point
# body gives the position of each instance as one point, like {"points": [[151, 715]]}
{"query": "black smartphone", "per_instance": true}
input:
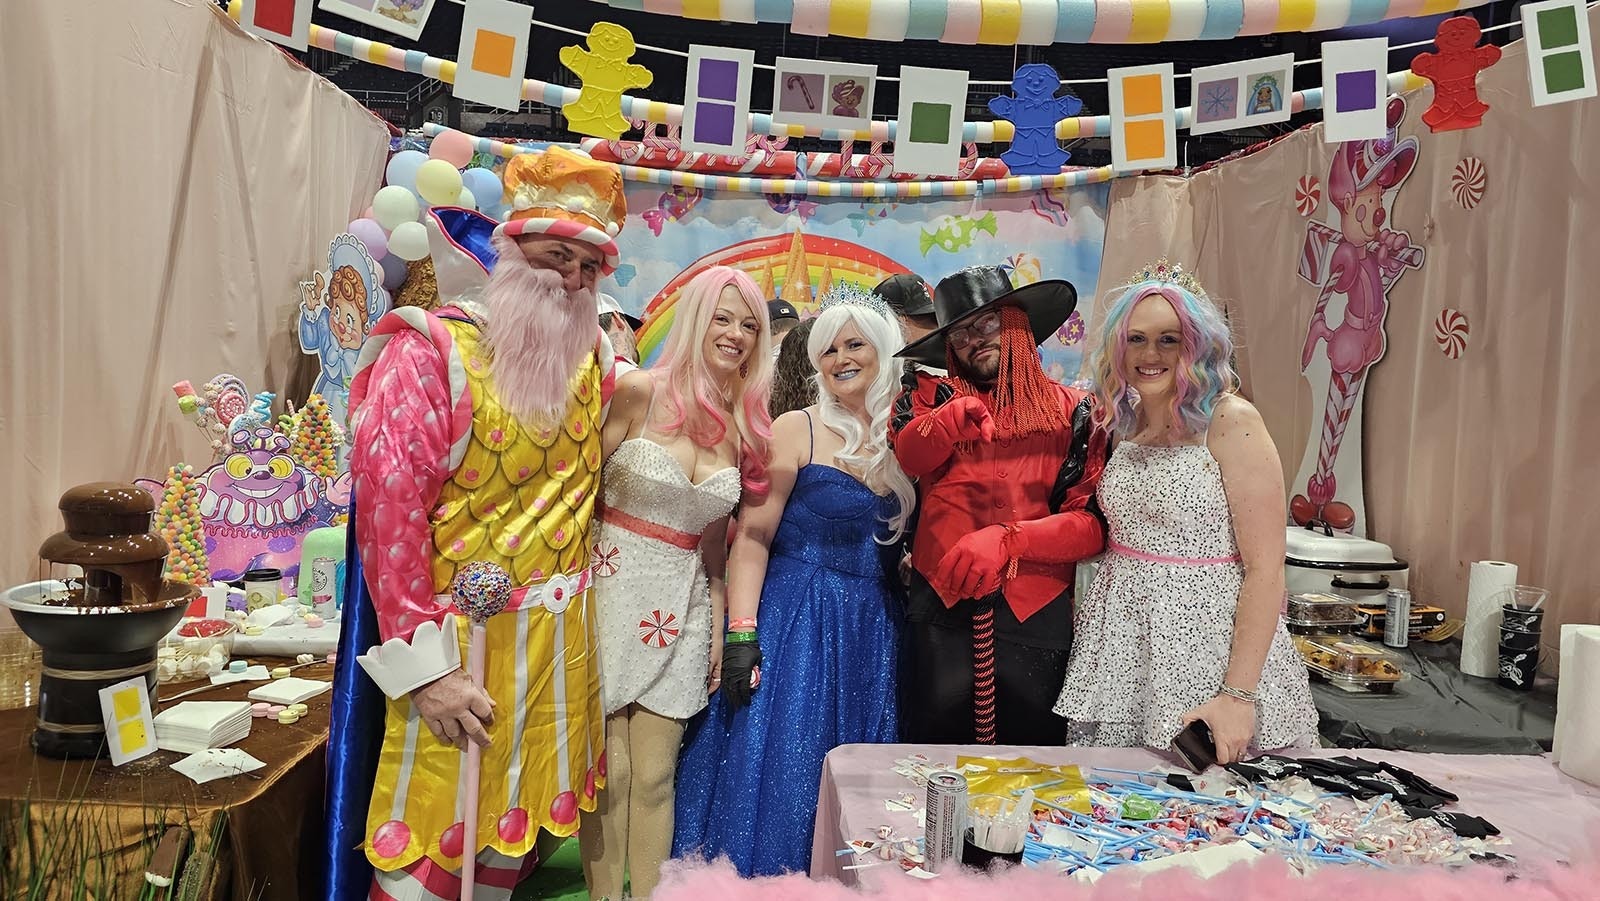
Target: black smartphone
{"points": [[1196, 746]]}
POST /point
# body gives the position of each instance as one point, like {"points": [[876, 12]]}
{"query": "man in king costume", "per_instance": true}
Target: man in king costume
{"points": [[477, 438]]}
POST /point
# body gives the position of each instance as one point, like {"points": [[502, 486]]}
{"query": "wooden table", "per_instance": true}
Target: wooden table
{"points": [[89, 824]]}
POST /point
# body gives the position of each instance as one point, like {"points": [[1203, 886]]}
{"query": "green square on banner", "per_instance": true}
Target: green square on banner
{"points": [[1558, 27], [1563, 72], [930, 123]]}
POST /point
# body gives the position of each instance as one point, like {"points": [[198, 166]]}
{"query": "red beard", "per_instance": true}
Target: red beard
{"points": [[538, 332]]}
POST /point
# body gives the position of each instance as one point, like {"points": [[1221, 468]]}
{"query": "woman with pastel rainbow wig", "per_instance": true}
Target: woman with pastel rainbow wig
{"points": [[1182, 622], [683, 441]]}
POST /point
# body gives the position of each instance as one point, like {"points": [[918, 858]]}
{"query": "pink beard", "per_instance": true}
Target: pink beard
{"points": [[539, 333]]}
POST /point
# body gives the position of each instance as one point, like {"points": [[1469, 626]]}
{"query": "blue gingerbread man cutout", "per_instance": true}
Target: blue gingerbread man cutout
{"points": [[1034, 112]]}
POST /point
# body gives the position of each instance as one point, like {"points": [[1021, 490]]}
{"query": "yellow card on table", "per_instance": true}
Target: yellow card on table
{"points": [[130, 729], [1059, 785]]}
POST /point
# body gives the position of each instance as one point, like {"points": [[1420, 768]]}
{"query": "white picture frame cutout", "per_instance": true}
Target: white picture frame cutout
{"points": [[387, 15], [708, 70], [803, 93], [933, 105], [1244, 94]]}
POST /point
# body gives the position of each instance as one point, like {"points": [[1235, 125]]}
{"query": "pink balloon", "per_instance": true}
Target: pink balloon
{"points": [[451, 146], [367, 213], [371, 234]]}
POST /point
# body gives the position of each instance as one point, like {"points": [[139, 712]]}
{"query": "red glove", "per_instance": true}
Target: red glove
{"points": [[962, 419], [972, 568]]}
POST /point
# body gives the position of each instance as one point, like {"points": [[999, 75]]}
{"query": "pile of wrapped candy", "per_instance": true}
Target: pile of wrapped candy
{"points": [[178, 520], [1313, 812]]}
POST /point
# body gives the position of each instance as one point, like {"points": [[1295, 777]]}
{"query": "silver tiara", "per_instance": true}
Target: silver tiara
{"points": [[844, 292]]}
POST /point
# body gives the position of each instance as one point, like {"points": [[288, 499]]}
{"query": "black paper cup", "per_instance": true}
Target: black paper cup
{"points": [[1518, 667], [982, 859], [1525, 618], [1517, 639]]}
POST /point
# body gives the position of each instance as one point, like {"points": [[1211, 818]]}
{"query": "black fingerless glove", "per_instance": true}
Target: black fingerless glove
{"points": [[739, 660]]}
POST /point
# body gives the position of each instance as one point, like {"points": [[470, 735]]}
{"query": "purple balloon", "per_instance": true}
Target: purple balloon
{"points": [[394, 272], [371, 234]]}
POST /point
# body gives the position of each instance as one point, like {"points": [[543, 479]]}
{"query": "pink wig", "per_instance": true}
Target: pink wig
{"points": [[682, 371]]}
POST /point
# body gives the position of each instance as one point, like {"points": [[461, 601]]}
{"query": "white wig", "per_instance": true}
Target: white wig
{"points": [[866, 450]]}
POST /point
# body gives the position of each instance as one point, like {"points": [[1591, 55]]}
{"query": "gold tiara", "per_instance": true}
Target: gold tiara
{"points": [[1162, 271]]}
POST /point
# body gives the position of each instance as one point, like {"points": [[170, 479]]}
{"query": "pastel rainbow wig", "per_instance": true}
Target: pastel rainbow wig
{"points": [[1204, 371], [693, 399]]}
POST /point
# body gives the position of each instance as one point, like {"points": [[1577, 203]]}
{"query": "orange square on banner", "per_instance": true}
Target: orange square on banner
{"points": [[1146, 140], [1141, 95], [492, 51]]}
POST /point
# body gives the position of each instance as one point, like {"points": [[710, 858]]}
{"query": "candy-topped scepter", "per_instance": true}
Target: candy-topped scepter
{"points": [[480, 590]]}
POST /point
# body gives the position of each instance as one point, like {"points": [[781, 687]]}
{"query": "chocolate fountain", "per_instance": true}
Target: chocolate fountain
{"points": [[103, 628]]}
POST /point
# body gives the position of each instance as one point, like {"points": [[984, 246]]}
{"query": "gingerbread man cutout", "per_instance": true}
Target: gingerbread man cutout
{"points": [[1034, 112], [1454, 73], [606, 73]]}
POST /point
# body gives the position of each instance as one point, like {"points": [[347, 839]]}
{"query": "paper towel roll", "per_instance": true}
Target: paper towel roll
{"points": [[1578, 723], [1487, 588]]}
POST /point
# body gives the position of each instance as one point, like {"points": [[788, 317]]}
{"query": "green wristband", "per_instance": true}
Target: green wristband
{"points": [[740, 637]]}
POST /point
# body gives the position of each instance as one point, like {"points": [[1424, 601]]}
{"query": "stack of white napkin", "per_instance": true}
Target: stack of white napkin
{"points": [[197, 725]]}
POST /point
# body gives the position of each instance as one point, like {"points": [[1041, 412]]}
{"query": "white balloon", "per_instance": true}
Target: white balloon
{"points": [[409, 241], [466, 200], [394, 205]]}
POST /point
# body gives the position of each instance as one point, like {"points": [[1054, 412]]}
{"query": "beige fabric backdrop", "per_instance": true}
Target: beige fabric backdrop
{"points": [[1491, 456], [165, 180]]}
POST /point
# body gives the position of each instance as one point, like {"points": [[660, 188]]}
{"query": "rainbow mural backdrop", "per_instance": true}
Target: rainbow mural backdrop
{"points": [[800, 250]]}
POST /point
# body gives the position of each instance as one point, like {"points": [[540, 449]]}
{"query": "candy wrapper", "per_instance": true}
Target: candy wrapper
{"points": [[1059, 785]]}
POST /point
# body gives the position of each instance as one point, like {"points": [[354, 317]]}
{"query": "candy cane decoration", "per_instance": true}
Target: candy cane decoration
{"points": [[969, 160], [795, 81]]}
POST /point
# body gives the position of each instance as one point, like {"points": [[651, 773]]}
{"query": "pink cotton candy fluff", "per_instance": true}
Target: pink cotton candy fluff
{"points": [[1270, 878]]}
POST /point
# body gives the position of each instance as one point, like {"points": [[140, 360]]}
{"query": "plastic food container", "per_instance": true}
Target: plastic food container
{"points": [[1349, 660], [1318, 612], [197, 649]]}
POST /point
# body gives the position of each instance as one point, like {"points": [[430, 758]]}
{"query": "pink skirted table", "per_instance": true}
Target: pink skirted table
{"points": [[1546, 814]]}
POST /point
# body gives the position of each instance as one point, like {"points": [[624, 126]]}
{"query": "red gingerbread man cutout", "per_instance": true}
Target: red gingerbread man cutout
{"points": [[1454, 73]]}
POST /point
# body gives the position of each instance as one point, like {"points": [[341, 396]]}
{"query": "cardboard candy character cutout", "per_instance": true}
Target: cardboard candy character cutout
{"points": [[337, 309], [1353, 259], [257, 502]]}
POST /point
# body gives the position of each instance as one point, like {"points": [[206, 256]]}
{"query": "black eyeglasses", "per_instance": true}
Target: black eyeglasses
{"points": [[982, 327]]}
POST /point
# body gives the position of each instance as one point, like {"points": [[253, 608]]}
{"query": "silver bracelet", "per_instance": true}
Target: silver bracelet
{"points": [[1247, 696]]}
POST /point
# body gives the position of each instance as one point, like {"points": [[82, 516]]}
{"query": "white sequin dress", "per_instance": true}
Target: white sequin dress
{"points": [[1154, 633], [652, 602]]}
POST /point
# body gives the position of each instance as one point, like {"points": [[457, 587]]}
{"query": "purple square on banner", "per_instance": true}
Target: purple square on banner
{"points": [[719, 80], [1357, 91], [713, 124]]}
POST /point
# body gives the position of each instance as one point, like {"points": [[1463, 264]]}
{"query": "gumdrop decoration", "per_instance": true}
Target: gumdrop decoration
{"points": [[606, 73], [1033, 112], [1454, 73], [178, 521]]}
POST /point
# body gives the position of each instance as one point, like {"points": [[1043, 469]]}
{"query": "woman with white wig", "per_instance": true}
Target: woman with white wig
{"points": [[806, 561]]}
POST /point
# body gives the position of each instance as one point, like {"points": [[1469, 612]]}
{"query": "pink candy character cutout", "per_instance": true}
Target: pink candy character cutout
{"points": [[1356, 263]]}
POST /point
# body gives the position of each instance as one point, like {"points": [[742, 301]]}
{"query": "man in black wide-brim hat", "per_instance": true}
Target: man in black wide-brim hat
{"points": [[1007, 462]]}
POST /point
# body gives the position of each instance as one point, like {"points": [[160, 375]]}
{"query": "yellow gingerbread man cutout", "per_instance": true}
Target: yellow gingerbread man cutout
{"points": [[606, 73]]}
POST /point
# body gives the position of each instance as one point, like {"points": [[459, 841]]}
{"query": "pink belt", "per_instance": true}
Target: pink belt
{"points": [[1175, 561], [611, 516]]}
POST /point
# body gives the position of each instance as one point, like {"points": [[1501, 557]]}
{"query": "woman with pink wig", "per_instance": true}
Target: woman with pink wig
{"points": [[683, 440], [1182, 621]]}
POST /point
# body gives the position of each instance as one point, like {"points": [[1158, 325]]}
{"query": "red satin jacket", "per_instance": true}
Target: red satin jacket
{"points": [[1007, 481]]}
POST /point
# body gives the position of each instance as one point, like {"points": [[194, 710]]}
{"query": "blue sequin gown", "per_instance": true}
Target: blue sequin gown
{"points": [[829, 630]]}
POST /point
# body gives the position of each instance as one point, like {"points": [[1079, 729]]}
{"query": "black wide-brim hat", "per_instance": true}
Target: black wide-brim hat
{"points": [[979, 289]]}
